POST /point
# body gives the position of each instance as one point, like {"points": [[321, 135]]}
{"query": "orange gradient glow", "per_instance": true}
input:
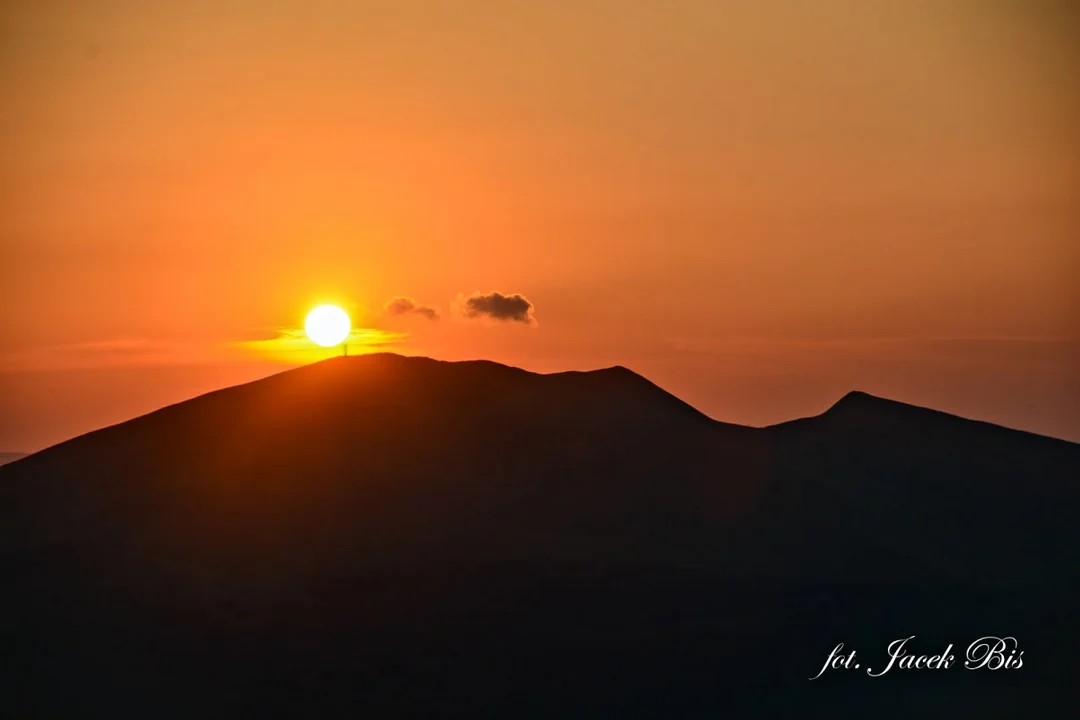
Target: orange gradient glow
{"points": [[759, 205]]}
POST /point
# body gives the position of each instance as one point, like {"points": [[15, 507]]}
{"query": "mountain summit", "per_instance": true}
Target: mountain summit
{"points": [[383, 535]]}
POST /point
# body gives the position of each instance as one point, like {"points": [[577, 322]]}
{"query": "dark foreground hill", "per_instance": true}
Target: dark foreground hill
{"points": [[384, 536]]}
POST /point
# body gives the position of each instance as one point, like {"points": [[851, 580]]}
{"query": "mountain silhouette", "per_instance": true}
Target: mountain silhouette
{"points": [[7, 457], [381, 535]]}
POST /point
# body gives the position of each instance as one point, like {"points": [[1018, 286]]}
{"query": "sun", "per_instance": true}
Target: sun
{"points": [[327, 325]]}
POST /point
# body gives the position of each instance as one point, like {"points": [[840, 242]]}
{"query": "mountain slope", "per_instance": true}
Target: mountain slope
{"points": [[383, 535], [398, 441], [9, 457], [974, 499]]}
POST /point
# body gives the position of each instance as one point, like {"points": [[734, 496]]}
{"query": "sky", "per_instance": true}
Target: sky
{"points": [[758, 205]]}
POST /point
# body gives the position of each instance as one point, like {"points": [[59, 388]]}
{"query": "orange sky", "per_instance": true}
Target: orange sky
{"points": [[758, 205]]}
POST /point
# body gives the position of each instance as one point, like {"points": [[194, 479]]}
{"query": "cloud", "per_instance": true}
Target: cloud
{"points": [[497, 306], [408, 306]]}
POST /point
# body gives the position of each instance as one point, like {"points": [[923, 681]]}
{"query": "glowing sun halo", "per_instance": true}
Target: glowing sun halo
{"points": [[327, 325]]}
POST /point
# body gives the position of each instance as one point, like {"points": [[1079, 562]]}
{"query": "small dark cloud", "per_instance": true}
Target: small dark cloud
{"points": [[497, 306], [408, 306]]}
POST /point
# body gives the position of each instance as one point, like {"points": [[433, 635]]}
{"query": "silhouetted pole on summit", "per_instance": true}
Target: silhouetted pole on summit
{"points": [[345, 349]]}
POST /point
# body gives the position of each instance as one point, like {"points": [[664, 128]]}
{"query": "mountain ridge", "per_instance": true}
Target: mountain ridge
{"points": [[851, 403], [383, 535]]}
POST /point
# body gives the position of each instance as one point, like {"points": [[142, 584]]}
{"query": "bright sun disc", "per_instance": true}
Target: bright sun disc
{"points": [[327, 325]]}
